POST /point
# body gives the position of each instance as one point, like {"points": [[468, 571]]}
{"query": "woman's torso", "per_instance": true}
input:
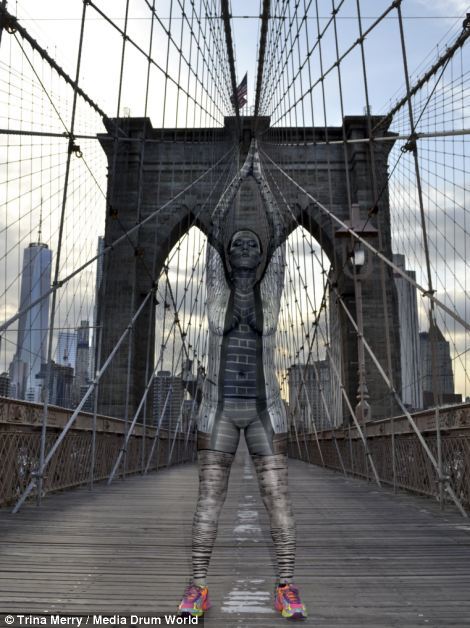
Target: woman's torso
{"points": [[241, 347]]}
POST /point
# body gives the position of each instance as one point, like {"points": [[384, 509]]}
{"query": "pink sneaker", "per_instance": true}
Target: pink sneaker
{"points": [[287, 601], [195, 601]]}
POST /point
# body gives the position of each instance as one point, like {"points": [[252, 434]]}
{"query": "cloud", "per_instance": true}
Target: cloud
{"points": [[445, 6]]}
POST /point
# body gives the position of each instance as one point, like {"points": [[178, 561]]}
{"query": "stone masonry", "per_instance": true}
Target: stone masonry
{"points": [[149, 167]]}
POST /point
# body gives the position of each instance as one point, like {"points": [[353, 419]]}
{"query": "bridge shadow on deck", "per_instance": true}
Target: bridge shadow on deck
{"points": [[364, 558]]}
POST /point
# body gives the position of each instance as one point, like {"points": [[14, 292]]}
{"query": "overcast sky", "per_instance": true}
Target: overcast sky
{"points": [[429, 26]]}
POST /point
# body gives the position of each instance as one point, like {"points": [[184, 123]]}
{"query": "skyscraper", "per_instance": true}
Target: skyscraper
{"points": [[411, 382], [82, 360], [441, 383], [4, 384], [31, 344], [168, 395], [305, 400], [66, 351], [60, 384]]}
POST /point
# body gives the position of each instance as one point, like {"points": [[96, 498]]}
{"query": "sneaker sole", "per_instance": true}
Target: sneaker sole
{"points": [[292, 614], [296, 616], [191, 612]]}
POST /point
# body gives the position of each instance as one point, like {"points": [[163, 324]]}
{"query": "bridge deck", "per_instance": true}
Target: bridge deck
{"points": [[365, 557]]}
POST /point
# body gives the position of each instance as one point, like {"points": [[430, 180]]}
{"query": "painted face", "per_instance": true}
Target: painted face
{"points": [[245, 250]]}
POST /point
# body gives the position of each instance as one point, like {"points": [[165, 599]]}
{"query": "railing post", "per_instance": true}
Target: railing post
{"points": [[394, 460], [95, 410]]}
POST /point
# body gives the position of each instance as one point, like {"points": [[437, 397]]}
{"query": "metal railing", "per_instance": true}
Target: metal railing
{"points": [[398, 455], [20, 433]]}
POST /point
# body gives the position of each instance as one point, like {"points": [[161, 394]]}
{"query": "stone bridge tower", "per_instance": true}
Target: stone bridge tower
{"points": [[145, 175]]}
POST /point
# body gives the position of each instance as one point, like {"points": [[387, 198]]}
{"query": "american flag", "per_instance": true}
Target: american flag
{"points": [[242, 92]]}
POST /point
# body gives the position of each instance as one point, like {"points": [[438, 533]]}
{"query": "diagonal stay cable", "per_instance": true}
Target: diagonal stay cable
{"points": [[181, 53], [262, 53], [233, 77], [342, 57], [442, 61], [147, 56], [371, 248], [175, 323], [53, 312], [400, 403], [12, 24], [111, 246], [346, 398], [410, 140], [80, 406]]}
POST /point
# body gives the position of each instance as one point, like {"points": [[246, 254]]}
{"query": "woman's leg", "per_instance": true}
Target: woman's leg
{"points": [[215, 456], [270, 460], [214, 471], [272, 479]]}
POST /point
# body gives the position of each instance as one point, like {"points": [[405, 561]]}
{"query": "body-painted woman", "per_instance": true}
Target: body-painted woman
{"points": [[241, 390]]}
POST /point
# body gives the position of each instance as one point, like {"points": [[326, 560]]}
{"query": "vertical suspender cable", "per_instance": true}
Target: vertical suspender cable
{"points": [[70, 151], [431, 313], [231, 59], [261, 55]]}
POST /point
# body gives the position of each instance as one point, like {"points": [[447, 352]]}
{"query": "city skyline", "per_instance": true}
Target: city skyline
{"points": [[71, 360], [83, 225], [415, 375], [32, 335]]}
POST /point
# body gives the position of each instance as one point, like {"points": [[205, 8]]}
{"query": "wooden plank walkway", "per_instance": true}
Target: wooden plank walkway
{"points": [[365, 556]]}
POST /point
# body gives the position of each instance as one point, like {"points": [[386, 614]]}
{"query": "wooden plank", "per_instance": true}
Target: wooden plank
{"points": [[365, 557]]}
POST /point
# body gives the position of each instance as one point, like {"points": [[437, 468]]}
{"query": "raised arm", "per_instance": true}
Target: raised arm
{"points": [[218, 290], [271, 287], [276, 220], [216, 235]]}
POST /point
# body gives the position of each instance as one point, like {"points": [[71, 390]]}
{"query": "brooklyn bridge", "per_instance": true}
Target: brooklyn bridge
{"points": [[125, 130]]}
